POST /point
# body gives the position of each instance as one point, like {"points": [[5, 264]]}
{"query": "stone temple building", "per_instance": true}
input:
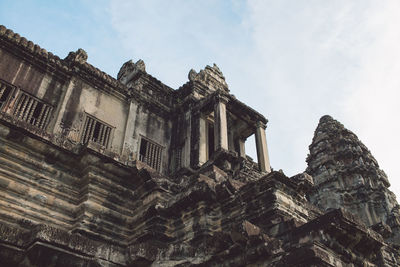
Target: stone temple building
{"points": [[98, 171]]}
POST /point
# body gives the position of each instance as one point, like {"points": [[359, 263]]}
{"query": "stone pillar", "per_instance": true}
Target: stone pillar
{"points": [[187, 147], [203, 144], [220, 124], [127, 145], [242, 152], [262, 150], [61, 109]]}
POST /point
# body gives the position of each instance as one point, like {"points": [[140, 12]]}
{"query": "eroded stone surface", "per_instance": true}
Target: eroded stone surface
{"points": [[68, 200], [347, 176]]}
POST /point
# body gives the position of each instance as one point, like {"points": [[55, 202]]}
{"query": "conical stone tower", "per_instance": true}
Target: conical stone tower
{"points": [[347, 176]]}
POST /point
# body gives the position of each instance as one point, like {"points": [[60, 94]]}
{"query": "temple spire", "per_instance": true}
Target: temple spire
{"points": [[346, 175]]}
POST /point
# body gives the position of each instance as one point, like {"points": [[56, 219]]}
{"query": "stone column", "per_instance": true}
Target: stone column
{"points": [[203, 144], [127, 145], [187, 147], [262, 150], [220, 123], [242, 151], [58, 127]]}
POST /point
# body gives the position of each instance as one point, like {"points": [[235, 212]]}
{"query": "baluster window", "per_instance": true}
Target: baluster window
{"points": [[5, 94], [96, 131], [32, 110], [150, 153]]}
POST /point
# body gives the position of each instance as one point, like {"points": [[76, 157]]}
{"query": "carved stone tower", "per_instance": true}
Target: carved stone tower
{"points": [[347, 176]]}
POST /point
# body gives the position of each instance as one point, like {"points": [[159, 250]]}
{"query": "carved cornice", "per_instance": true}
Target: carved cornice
{"points": [[33, 53], [74, 63], [261, 124], [238, 107], [221, 97], [92, 75]]}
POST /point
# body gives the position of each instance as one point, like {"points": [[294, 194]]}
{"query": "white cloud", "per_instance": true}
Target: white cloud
{"points": [[373, 106], [319, 57], [174, 36]]}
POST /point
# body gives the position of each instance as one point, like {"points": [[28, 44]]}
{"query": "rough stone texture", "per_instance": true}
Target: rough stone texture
{"points": [[66, 202], [211, 77], [347, 176]]}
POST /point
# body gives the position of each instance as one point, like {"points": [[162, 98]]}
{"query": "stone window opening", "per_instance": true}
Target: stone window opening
{"points": [[251, 148], [150, 153], [32, 110], [5, 94], [96, 131]]}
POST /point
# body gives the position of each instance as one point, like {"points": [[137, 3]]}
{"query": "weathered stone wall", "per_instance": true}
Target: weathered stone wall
{"points": [[70, 95], [32, 77], [84, 208], [64, 202], [84, 99], [68, 87], [43, 184], [157, 128]]}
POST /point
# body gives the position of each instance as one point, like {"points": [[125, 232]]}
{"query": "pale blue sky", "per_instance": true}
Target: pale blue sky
{"points": [[293, 61]]}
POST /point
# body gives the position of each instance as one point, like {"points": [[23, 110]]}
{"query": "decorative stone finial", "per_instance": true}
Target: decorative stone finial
{"points": [[192, 75], [140, 65], [79, 56], [211, 77], [129, 69]]}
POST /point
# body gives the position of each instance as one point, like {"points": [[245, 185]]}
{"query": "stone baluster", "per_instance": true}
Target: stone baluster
{"points": [[28, 109]]}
